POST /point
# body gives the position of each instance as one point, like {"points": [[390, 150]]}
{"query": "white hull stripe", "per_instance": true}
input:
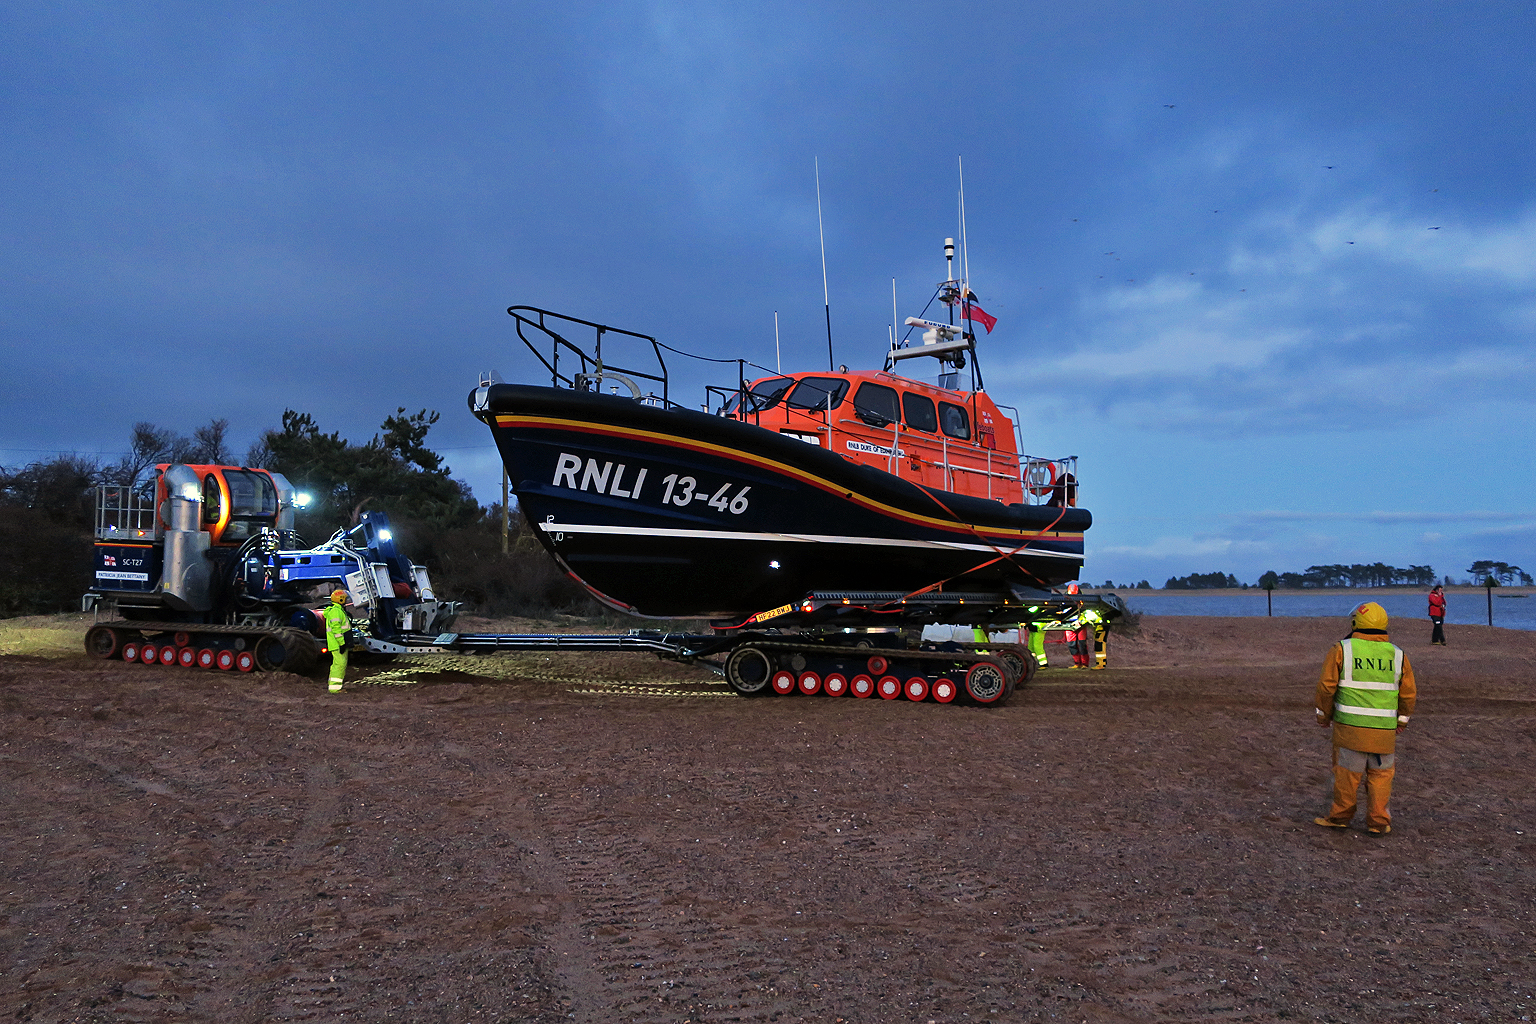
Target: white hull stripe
{"points": [[1350, 709], [797, 538]]}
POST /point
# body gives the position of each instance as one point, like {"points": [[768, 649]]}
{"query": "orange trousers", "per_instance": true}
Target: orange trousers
{"points": [[1349, 766]]}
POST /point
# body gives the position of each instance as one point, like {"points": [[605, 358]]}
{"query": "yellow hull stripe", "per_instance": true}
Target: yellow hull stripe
{"points": [[673, 441]]}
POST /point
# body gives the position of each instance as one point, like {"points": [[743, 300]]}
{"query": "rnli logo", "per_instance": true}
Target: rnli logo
{"points": [[606, 478], [603, 479], [1373, 664], [113, 561]]}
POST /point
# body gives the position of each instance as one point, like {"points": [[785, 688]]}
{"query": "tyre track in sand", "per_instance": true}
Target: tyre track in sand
{"points": [[633, 946], [281, 936]]}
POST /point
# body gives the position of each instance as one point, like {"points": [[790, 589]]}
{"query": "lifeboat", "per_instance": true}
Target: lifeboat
{"points": [[851, 482]]}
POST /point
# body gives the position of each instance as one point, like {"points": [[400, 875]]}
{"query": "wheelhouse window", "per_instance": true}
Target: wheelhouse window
{"points": [[919, 412], [765, 394], [955, 420], [814, 394], [876, 404]]}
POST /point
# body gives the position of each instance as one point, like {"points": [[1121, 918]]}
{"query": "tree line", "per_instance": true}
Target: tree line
{"points": [[1489, 573], [1377, 574], [47, 511]]}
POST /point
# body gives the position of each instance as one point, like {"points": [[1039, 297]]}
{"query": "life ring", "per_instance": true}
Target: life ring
{"points": [[1040, 477]]}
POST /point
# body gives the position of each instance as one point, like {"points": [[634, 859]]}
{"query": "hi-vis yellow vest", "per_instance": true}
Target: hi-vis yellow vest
{"points": [[337, 622], [1368, 682]]}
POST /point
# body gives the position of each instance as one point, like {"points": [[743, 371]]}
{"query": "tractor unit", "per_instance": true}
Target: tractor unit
{"points": [[205, 569]]}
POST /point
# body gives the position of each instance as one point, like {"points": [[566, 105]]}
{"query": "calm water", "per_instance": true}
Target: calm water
{"points": [[1460, 608]]}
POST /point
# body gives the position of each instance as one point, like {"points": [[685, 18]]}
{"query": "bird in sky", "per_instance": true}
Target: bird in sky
{"points": [[1327, 167], [1168, 105], [1434, 229]]}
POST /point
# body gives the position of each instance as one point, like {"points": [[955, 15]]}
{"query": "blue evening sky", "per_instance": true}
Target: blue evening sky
{"points": [[1269, 269]]}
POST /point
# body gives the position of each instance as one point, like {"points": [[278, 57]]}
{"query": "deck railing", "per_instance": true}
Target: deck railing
{"points": [[125, 513]]}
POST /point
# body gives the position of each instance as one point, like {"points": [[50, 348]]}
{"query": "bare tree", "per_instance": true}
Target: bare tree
{"points": [[259, 454], [145, 447], [149, 445], [209, 444]]}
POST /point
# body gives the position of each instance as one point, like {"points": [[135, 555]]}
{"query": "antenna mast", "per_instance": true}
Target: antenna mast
{"points": [[825, 299]]}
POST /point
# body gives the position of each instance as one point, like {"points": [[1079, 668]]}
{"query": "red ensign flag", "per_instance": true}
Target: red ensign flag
{"points": [[981, 316]]}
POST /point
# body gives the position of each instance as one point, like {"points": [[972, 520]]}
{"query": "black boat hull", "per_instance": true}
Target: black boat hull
{"points": [[675, 513]]}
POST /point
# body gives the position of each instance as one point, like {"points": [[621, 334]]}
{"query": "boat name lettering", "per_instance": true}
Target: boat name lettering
{"points": [[685, 490], [135, 577], [604, 479], [874, 449]]}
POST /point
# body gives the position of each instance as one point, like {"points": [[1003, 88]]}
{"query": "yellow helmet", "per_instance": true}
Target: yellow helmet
{"points": [[1370, 616], [340, 596]]}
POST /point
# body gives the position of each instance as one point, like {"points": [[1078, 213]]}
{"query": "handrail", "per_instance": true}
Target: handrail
{"points": [[589, 363]]}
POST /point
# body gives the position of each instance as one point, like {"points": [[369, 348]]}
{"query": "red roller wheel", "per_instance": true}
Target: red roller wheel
{"points": [[245, 661], [783, 682], [131, 651], [985, 683], [103, 642], [809, 683], [835, 685], [889, 687], [182, 639], [207, 657], [225, 660], [945, 690], [186, 657], [916, 688], [877, 665], [862, 686], [168, 654], [149, 654]]}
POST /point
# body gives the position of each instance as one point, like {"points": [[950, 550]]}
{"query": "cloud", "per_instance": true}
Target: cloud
{"points": [[1478, 256], [1182, 548], [1515, 530], [1383, 518], [1313, 311]]}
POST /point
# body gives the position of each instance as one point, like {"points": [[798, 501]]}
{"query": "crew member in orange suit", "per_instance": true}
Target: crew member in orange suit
{"points": [[1367, 693]]}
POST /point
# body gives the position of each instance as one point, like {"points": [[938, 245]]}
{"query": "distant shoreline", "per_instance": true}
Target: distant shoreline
{"points": [[1307, 591]]}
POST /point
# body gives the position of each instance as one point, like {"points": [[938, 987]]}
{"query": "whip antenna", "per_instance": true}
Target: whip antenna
{"points": [[965, 252], [778, 362], [825, 299]]}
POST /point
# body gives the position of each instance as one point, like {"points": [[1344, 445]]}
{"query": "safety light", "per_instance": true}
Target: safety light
{"points": [[383, 535], [301, 500]]}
